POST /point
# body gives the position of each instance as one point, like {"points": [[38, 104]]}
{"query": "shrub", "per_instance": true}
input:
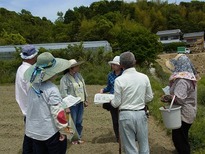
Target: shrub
{"points": [[95, 74], [8, 70], [197, 131], [161, 75], [201, 91], [172, 47], [94, 70]]}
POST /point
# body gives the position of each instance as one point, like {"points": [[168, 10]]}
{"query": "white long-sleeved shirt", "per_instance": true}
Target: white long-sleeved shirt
{"points": [[132, 90], [40, 124], [21, 87]]}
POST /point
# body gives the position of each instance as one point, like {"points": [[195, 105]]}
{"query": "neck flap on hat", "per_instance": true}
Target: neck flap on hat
{"points": [[183, 68], [40, 69], [182, 75]]}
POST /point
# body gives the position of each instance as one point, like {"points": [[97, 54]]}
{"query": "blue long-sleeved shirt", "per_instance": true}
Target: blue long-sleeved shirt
{"points": [[110, 83]]}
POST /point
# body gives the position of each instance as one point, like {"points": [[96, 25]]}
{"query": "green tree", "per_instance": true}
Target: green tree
{"points": [[61, 32], [60, 17], [86, 30], [11, 39], [141, 42], [69, 16], [25, 12]]}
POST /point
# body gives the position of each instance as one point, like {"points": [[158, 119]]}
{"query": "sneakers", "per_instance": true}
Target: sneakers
{"points": [[81, 141], [78, 142]]}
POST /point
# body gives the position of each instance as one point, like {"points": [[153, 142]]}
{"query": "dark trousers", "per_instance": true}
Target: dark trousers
{"points": [[114, 114], [51, 146], [180, 138], [27, 143]]}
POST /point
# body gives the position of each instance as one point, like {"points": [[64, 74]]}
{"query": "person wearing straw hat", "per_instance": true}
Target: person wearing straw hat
{"points": [[116, 71], [45, 113], [72, 83], [132, 90], [183, 85], [28, 55]]}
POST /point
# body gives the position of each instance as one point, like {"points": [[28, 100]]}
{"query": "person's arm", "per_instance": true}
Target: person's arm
{"points": [[180, 91], [149, 93], [86, 103], [109, 85], [56, 108], [63, 87]]}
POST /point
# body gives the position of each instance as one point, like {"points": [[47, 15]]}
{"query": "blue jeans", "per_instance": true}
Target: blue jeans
{"points": [[77, 116], [133, 125]]}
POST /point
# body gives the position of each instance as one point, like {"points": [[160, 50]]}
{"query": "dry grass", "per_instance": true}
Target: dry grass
{"points": [[197, 59]]}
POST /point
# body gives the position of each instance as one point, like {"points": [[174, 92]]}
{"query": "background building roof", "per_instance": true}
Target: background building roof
{"points": [[165, 32], [196, 34]]}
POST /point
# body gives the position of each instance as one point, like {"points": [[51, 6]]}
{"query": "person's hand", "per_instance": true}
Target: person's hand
{"points": [[86, 104], [166, 98], [67, 110], [62, 137], [101, 91]]}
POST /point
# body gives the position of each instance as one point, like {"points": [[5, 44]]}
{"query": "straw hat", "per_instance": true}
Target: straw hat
{"points": [[46, 67], [116, 61]]}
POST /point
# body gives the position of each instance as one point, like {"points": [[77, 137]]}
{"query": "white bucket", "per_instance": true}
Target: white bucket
{"points": [[171, 117]]}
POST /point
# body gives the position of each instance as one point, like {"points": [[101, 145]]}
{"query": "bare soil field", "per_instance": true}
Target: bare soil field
{"points": [[98, 134]]}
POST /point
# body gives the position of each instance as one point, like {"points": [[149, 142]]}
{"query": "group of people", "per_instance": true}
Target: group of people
{"points": [[41, 101]]}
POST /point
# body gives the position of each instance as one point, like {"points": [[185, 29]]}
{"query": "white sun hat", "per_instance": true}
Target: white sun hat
{"points": [[116, 60]]}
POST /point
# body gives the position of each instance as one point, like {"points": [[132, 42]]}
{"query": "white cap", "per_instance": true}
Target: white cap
{"points": [[116, 60]]}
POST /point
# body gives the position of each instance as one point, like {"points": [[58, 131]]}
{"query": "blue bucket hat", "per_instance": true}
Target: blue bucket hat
{"points": [[28, 52]]}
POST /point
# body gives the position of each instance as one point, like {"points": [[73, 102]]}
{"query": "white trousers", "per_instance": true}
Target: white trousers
{"points": [[133, 126]]}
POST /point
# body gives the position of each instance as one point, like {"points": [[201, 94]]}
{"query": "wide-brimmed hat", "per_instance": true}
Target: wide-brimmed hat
{"points": [[28, 52], [46, 67], [73, 63], [116, 61]]}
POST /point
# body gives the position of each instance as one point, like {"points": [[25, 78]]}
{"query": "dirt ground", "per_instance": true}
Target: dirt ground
{"points": [[97, 132]]}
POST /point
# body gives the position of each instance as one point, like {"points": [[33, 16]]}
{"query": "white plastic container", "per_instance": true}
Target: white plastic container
{"points": [[171, 116]]}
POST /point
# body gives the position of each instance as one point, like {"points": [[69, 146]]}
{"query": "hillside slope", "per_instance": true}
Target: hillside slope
{"points": [[198, 60]]}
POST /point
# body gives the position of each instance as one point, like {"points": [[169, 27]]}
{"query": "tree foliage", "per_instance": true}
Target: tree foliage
{"points": [[114, 21], [12, 39]]}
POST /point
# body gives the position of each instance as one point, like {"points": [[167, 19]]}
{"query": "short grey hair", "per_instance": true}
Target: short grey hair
{"points": [[127, 59]]}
